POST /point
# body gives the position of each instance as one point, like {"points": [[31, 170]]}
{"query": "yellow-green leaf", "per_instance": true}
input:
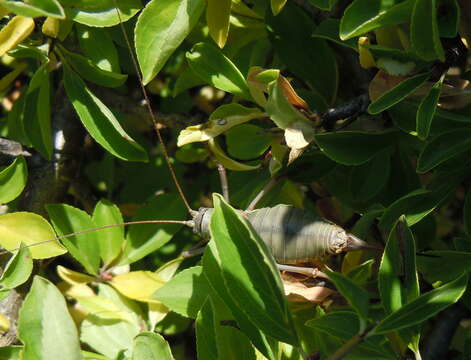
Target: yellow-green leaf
{"points": [[104, 308], [17, 29], [32, 230], [226, 161], [73, 277], [221, 120], [13, 180], [138, 285], [217, 17], [277, 6], [51, 27]]}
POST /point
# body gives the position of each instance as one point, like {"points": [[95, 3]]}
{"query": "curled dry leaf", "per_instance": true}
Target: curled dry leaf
{"points": [[299, 292]]}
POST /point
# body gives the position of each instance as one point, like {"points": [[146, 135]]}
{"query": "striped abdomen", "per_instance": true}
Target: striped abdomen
{"points": [[293, 235]]}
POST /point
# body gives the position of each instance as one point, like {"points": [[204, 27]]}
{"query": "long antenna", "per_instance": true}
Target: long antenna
{"points": [[152, 116], [85, 231]]}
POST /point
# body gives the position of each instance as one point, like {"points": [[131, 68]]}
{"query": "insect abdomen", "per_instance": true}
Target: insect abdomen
{"points": [[295, 235]]}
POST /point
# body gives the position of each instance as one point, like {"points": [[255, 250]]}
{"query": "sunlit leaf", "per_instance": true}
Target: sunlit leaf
{"points": [[45, 326], [161, 28], [13, 180], [31, 230], [17, 29]]}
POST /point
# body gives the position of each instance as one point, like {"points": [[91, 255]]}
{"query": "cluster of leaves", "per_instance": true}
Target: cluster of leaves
{"points": [[265, 74]]}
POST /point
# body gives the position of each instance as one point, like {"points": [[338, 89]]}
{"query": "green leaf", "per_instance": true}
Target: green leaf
{"points": [[342, 324], [415, 205], [424, 32], [280, 110], [329, 30], [397, 278], [151, 346], [17, 29], [18, 269], [316, 64], [103, 308], [444, 147], [221, 120], [324, 4], [362, 16], [217, 17], [110, 337], [37, 111], [106, 213], [363, 185], [250, 273], [206, 346], [213, 273], [397, 93], [90, 72], [423, 307], [217, 336], [99, 121], [361, 273], [98, 47], [12, 352], [35, 8], [101, 14], [247, 141], [45, 326], [467, 213], [161, 28], [31, 230], [145, 239], [427, 108], [338, 146], [211, 65], [84, 247], [355, 295], [448, 18], [13, 180], [443, 265], [185, 293]]}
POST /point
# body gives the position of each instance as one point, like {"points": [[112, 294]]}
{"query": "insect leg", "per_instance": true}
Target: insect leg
{"points": [[311, 272], [273, 181], [224, 182]]}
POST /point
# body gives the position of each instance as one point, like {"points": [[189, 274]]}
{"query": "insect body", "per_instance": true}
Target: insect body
{"points": [[293, 235]]}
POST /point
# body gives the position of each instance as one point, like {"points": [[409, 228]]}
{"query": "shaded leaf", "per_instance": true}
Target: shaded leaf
{"points": [[397, 93], [444, 147], [423, 307], [362, 16], [354, 147], [426, 110], [424, 32]]}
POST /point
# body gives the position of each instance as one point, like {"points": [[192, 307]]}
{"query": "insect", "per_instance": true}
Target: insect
{"points": [[293, 235]]}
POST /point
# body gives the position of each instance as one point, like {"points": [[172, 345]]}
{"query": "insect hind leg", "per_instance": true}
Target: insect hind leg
{"points": [[308, 271]]}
